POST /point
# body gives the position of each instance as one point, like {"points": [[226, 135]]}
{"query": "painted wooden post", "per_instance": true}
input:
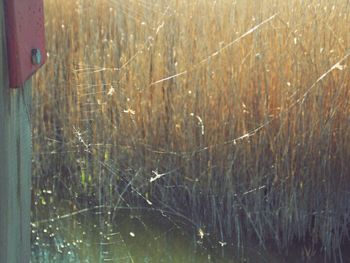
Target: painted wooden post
{"points": [[15, 163], [22, 53]]}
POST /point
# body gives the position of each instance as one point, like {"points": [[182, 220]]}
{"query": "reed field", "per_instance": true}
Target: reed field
{"points": [[232, 117]]}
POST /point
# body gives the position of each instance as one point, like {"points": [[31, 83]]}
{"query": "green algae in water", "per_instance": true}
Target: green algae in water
{"points": [[135, 237], [92, 237]]}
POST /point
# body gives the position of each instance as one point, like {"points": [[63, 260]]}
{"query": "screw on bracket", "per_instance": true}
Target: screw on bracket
{"points": [[36, 56]]}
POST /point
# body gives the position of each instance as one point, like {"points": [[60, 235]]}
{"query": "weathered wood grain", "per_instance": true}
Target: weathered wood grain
{"points": [[15, 164]]}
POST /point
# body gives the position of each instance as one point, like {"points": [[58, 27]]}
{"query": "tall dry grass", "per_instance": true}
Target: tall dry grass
{"points": [[233, 114]]}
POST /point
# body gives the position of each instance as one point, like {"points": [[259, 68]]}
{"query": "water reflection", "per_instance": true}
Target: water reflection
{"points": [[133, 237]]}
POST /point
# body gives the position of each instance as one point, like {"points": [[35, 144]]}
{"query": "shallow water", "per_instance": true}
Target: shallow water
{"points": [[132, 236]]}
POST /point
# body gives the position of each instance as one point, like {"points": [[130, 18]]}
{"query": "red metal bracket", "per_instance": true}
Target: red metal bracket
{"points": [[25, 39]]}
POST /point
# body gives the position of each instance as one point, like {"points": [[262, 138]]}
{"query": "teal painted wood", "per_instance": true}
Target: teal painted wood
{"points": [[15, 164]]}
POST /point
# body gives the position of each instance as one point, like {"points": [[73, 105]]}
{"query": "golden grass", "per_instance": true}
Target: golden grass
{"points": [[234, 114]]}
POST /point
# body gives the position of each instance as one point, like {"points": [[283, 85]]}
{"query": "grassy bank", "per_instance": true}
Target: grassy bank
{"points": [[231, 114]]}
